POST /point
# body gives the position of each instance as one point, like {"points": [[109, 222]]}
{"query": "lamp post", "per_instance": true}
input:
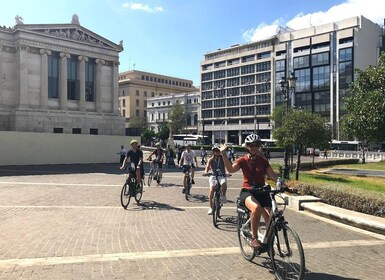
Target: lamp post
{"points": [[287, 87]]}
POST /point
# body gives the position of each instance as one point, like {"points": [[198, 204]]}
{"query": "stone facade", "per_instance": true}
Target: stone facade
{"points": [[59, 78]]}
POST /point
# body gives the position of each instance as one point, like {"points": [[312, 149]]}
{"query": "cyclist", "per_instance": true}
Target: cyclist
{"points": [[255, 167], [188, 156], [216, 162], [158, 153], [136, 156]]}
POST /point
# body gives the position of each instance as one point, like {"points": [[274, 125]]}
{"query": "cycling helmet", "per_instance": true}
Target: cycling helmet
{"points": [[134, 141], [157, 144], [252, 138], [215, 147]]}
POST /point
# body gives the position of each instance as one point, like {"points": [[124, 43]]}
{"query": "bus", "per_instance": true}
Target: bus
{"points": [[193, 139], [345, 145]]}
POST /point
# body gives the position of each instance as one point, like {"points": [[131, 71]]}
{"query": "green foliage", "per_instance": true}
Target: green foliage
{"points": [[372, 203], [146, 135], [301, 128], [278, 115], [163, 132], [365, 104], [178, 118]]}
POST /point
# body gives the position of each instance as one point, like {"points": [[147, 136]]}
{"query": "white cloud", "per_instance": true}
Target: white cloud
{"points": [[142, 7], [370, 9]]}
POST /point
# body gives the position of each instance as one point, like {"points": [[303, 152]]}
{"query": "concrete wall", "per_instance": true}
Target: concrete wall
{"points": [[31, 148]]}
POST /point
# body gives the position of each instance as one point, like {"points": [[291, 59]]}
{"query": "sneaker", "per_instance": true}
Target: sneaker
{"points": [[210, 212], [192, 181], [224, 199]]}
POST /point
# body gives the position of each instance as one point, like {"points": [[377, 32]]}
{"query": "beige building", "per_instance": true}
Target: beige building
{"points": [[136, 86], [240, 85], [58, 78]]}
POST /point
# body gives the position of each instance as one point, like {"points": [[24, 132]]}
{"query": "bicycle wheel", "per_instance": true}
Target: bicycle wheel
{"points": [[158, 178], [216, 209], [186, 187], [125, 195], [244, 237], [150, 175], [286, 254], [138, 191]]}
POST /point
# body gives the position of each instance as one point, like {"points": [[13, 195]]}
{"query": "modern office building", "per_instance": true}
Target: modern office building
{"points": [[58, 78], [136, 86], [159, 108], [240, 85]]}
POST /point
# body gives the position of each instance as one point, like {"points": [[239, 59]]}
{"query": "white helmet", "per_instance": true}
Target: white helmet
{"points": [[252, 138], [215, 147]]}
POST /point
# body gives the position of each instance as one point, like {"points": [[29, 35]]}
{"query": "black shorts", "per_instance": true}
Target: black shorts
{"points": [[263, 199]]}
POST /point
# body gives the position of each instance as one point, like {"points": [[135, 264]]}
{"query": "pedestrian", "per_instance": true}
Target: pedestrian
{"points": [[203, 156], [122, 154], [325, 154]]}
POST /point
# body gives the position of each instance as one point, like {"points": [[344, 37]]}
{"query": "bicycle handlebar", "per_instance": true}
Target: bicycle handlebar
{"points": [[268, 190]]}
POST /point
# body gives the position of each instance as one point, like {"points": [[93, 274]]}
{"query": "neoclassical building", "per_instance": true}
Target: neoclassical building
{"points": [[59, 78]]}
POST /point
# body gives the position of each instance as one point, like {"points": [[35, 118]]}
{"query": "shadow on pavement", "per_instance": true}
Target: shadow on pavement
{"points": [[324, 276], [227, 223], [153, 205]]}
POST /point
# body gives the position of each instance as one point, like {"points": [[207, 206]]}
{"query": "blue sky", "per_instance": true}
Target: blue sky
{"points": [[170, 37]]}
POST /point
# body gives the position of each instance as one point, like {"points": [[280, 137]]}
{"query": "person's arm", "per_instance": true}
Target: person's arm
{"points": [[208, 164], [124, 162], [230, 168], [181, 159], [271, 174]]}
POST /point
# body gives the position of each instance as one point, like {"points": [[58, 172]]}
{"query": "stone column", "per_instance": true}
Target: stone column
{"points": [[44, 78], [63, 80], [98, 87], [82, 78], [23, 75], [115, 87]]}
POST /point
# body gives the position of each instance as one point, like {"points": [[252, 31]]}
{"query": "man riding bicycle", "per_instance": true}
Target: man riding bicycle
{"points": [[136, 156], [188, 157], [254, 167], [158, 153], [214, 163]]}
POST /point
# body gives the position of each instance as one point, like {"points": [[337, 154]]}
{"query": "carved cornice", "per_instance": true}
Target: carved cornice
{"points": [[66, 55], [115, 63]]}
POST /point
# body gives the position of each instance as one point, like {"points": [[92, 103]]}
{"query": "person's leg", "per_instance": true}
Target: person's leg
{"points": [[224, 189], [192, 175], [211, 194], [256, 212]]}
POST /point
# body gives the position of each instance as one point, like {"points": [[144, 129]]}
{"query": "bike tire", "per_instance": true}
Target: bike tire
{"points": [[149, 179], [215, 210], [139, 192], [125, 195], [159, 178], [286, 254], [186, 187], [244, 241]]}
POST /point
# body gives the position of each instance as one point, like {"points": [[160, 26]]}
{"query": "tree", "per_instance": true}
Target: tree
{"points": [[147, 135], [163, 132], [364, 117], [302, 129], [177, 118]]}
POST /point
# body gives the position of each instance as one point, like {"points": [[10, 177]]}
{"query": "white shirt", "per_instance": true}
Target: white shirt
{"points": [[188, 157]]}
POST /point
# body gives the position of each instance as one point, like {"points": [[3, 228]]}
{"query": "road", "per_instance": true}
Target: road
{"points": [[66, 222]]}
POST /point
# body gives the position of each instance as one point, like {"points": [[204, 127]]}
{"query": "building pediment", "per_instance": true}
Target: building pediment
{"points": [[72, 32]]}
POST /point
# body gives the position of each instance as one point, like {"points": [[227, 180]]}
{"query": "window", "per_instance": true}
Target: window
{"points": [[90, 80], [137, 102], [57, 130], [73, 84], [94, 131], [124, 113], [137, 93], [76, 131], [53, 76], [152, 94], [137, 113], [145, 93], [145, 103], [320, 59], [301, 62], [124, 103]]}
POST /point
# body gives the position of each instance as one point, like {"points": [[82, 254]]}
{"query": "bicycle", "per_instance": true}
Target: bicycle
{"points": [[131, 188], [154, 174], [217, 196], [186, 180], [282, 243]]}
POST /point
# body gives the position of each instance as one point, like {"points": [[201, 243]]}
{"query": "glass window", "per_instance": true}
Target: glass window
{"points": [[57, 130], [345, 54], [137, 92], [301, 62], [321, 78], [76, 131], [320, 59], [73, 84], [53, 75], [90, 80], [94, 131]]}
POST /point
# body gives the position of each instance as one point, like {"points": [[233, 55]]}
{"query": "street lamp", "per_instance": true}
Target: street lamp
{"points": [[287, 87]]}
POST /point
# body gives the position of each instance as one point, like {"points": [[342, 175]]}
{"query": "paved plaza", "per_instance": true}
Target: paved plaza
{"points": [[66, 222]]}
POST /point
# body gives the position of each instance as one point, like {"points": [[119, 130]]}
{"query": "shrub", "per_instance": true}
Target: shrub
{"points": [[372, 203]]}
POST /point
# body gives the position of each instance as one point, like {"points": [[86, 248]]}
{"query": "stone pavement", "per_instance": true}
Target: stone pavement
{"points": [[66, 222]]}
